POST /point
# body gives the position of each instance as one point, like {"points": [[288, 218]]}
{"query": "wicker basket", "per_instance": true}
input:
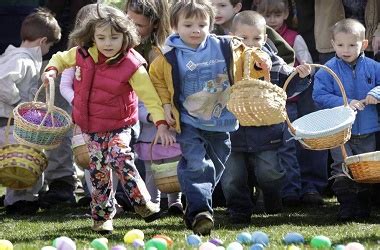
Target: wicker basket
{"points": [[80, 150], [255, 102], [323, 129], [39, 135], [20, 165], [362, 168]]}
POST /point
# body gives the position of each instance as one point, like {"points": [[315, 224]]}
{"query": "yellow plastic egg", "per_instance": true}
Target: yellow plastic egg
{"points": [[132, 235]]}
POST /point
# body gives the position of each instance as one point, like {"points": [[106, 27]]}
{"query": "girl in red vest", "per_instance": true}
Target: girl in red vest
{"points": [[108, 78]]}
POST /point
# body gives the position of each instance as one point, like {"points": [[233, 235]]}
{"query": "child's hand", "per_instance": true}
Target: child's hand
{"points": [[357, 105], [168, 114], [303, 70], [163, 134], [370, 100], [48, 74], [264, 63]]}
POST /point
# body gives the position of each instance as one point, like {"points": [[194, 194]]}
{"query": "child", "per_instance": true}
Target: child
{"points": [[152, 21], [276, 12], [19, 75], [108, 73], [256, 146], [361, 79], [193, 79], [225, 12]]}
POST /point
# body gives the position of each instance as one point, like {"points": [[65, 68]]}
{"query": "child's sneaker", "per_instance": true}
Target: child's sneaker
{"points": [[175, 209], [150, 211], [103, 227], [203, 224]]}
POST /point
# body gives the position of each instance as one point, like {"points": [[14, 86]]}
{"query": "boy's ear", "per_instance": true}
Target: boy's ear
{"points": [[43, 40], [238, 7], [364, 45]]}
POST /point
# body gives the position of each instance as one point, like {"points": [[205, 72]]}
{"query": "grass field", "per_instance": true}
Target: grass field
{"points": [[37, 231]]}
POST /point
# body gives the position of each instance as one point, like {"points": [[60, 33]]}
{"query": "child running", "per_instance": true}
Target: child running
{"points": [[109, 74], [193, 79]]}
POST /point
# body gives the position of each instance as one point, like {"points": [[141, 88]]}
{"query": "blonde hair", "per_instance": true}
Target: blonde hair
{"points": [[158, 13], [349, 26], [267, 7], [248, 17], [106, 15], [191, 8]]}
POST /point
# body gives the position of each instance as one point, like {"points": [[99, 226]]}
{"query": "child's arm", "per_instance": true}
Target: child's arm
{"points": [[144, 115], [66, 84]]}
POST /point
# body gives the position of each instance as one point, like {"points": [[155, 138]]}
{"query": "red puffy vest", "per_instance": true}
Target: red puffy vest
{"points": [[103, 98]]}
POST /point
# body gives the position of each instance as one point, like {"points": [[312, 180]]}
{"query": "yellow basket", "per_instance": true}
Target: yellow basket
{"points": [[255, 102], [362, 168], [80, 150], [322, 129], [39, 135], [20, 165]]}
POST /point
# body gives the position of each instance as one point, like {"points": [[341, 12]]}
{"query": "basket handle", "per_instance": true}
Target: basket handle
{"points": [[7, 128], [248, 55], [49, 100], [292, 129]]}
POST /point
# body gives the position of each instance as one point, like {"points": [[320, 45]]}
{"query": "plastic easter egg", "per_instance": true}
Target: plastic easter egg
{"points": [[219, 248], [137, 243], [216, 241], [207, 246], [320, 241], [340, 247], [100, 244], [64, 243], [354, 246], [166, 238], [234, 246], [6, 245], [244, 238], [260, 237], [47, 248], [293, 238], [158, 243], [118, 247], [132, 235], [292, 247], [193, 240], [257, 246]]}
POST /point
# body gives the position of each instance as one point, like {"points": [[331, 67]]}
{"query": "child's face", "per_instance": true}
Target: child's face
{"points": [[143, 24], [276, 20], [225, 11], [348, 46], [193, 30], [252, 35], [108, 41]]}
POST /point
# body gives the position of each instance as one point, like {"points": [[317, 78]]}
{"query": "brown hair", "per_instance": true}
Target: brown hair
{"points": [[106, 15], [191, 8], [234, 2], [349, 26], [158, 13], [267, 7], [248, 17], [40, 23]]}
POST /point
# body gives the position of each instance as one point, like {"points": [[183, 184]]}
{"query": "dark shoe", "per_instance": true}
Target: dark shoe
{"points": [[175, 209], [203, 224], [59, 193], [149, 212], [22, 208], [2, 198], [273, 203], [238, 218], [291, 201], [84, 202], [313, 199]]}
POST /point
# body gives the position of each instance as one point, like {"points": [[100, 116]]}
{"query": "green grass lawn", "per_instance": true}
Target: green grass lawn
{"points": [[34, 232]]}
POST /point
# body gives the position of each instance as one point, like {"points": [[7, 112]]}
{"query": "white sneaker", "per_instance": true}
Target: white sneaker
{"points": [[102, 227]]}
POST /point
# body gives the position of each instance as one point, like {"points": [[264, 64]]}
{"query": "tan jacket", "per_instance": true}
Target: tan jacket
{"points": [[328, 12]]}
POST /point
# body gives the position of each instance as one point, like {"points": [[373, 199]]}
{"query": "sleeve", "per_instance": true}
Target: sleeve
{"points": [[143, 113], [375, 92], [301, 50], [146, 92], [285, 51], [63, 60], [156, 72], [66, 84]]}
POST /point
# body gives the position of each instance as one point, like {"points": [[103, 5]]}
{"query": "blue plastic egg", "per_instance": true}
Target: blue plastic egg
{"points": [[260, 237], [293, 238], [257, 246], [193, 240], [244, 238], [340, 247]]}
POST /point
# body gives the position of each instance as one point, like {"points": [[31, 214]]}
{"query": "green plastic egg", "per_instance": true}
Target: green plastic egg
{"points": [[320, 242], [158, 243]]}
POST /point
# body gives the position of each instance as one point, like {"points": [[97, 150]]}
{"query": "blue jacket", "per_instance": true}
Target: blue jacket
{"points": [[358, 81]]}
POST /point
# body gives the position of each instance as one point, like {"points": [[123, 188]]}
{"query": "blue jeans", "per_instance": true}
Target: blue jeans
{"points": [[204, 154], [268, 173]]}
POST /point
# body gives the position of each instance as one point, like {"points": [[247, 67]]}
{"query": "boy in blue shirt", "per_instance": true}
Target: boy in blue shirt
{"points": [[361, 79]]}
